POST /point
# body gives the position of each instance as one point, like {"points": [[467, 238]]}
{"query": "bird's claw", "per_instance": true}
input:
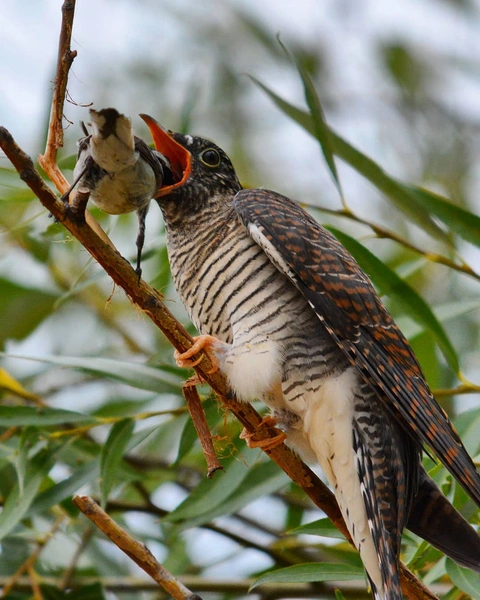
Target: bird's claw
{"points": [[202, 342], [268, 443]]}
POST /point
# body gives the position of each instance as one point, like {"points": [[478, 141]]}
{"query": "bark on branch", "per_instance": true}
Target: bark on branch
{"points": [[55, 129], [138, 552]]}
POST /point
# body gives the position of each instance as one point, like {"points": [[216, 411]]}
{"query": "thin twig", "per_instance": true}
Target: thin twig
{"points": [[150, 301], [48, 160], [239, 587], [138, 552], [65, 59], [37, 592], [27, 566], [457, 391], [195, 408], [70, 570]]}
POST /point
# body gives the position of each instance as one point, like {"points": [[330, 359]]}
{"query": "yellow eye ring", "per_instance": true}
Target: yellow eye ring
{"points": [[210, 157]]}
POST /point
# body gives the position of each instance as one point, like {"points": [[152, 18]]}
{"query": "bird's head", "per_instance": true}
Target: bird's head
{"points": [[202, 174]]}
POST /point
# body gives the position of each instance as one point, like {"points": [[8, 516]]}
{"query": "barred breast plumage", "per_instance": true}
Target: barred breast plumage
{"points": [[296, 323], [232, 291]]}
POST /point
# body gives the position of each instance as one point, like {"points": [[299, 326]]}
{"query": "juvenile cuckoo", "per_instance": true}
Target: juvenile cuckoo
{"points": [[293, 320]]}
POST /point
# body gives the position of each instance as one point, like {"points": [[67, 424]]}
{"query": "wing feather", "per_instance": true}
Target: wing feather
{"points": [[346, 302]]}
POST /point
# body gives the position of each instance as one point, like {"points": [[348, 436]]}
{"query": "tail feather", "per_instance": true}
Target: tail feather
{"points": [[382, 525], [433, 518]]}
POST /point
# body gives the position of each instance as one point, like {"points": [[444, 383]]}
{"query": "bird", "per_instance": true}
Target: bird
{"points": [[121, 172], [289, 318]]}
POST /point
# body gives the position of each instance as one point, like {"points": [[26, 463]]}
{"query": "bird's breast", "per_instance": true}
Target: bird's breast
{"points": [[122, 191], [234, 292]]}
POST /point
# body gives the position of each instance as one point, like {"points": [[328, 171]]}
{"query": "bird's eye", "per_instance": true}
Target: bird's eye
{"points": [[210, 157]]}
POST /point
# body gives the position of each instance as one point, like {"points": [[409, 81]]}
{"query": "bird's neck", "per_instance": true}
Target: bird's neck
{"points": [[191, 214]]}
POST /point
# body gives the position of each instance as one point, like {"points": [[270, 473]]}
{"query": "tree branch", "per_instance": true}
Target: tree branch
{"points": [[28, 564], [138, 552], [197, 414], [48, 160], [241, 587]]}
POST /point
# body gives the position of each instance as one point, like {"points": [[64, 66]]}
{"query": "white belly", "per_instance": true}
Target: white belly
{"points": [[328, 430]]}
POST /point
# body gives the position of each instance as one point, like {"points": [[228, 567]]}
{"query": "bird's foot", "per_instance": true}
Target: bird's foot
{"points": [[65, 199], [268, 443], [66, 196], [202, 342]]}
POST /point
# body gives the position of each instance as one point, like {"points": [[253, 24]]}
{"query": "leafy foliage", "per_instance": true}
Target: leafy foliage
{"points": [[97, 408]]}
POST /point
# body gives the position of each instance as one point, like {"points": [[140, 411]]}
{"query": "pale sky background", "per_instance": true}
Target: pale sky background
{"points": [[110, 33]]}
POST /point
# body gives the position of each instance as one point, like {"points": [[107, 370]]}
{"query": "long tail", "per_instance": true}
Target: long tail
{"points": [[433, 518]]}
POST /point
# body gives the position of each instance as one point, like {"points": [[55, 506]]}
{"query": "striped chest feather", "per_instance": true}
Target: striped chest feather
{"points": [[232, 291]]}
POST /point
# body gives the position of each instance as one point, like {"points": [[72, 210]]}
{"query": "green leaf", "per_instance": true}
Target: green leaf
{"points": [[87, 592], [178, 559], [310, 572], [323, 527], [468, 426], [92, 591], [211, 493], [399, 194], [389, 283], [50, 592], [465, 579], [17, 504], [16, 302], [463, 222], [443, 312], [143, 377], [112, 455], [140, 436], [27, 439], [122, 407], [407, 69], [424, 348], [64, 489], [339, 595], [296, 114], [19, 416], [264, 478], [320, 128], [162, 276], [188, 438]]}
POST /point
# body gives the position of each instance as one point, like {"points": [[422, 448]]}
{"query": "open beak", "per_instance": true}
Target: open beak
{"points": [[179, 157]]}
